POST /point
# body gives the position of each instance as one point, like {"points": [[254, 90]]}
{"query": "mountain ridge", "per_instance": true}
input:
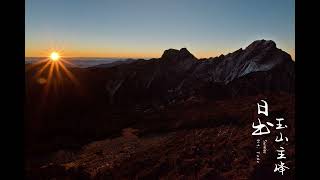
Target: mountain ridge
{"points": [[131, 89]]}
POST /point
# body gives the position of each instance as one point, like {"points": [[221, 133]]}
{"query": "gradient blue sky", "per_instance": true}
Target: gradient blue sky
{"points": [[145, 28]]}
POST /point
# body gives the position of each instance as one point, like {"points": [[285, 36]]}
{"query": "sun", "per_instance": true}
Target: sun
{"points": [[51, 74], [54, 56]]}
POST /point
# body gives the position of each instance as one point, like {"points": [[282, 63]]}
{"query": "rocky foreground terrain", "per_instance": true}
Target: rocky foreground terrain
{"points": [[175, 117]]}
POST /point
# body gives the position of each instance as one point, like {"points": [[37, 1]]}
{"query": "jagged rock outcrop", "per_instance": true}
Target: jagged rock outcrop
{"points": [[178, 73], [261, 55]]}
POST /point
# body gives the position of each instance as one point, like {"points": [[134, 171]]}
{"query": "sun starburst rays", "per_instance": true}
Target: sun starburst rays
{"points": [[67, 72], [52, 73]]}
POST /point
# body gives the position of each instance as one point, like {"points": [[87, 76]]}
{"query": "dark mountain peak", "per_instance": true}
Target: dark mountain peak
{"points": [[174, 54], [266, 52], [184, 51], [262, 44], [170, 53]]}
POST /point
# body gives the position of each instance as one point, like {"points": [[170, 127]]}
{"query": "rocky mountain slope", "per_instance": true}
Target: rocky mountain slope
{"points": [[178, 74], [163, 98]]}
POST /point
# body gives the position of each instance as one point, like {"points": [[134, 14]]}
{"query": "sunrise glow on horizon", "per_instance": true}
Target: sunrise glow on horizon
{"points": [[144, 29], [54, 56]]}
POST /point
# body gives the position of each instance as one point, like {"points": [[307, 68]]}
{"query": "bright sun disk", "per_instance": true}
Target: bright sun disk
{"points": [[54, 56]]}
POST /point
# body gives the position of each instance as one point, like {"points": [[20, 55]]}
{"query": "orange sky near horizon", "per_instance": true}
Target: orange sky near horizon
{"points": [[144, 29], [128, 54]]}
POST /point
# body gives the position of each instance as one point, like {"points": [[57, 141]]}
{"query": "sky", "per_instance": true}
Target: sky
{"points": [[145, 28]]}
